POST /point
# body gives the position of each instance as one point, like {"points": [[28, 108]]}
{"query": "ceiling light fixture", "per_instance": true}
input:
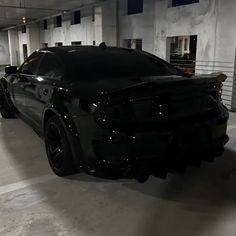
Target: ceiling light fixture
{"points": [[24, 19], [64, 12]]}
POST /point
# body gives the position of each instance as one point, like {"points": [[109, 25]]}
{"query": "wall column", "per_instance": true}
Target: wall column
{"points": [[14, 47], [4, 49], [109, 23], [33, 37]]}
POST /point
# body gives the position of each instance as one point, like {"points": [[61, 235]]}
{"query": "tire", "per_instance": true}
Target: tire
{"points": [[58, 149], [6, 110]]}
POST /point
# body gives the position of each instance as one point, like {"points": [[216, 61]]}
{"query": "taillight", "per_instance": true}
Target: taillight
{"points": [[120, 111], [107, 113], [216, 91]]}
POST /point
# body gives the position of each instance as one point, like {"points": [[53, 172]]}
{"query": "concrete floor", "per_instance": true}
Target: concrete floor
{"points": [[33, 201]]}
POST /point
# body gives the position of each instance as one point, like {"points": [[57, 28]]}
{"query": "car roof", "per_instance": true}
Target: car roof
{"points": [[100, 57], [68, 49]]}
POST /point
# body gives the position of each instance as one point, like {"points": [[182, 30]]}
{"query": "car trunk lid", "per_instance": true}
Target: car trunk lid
{"points": [[162, 100]]}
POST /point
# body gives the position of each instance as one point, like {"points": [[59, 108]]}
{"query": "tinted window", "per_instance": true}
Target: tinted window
{"points": [[59, 44], [93, 14], [76, 43], [25, 51], [31, 65], [44, 45], [135, 6], [139, 44], [58, 21], [23, 29], [133, 43], [112, 63], [45, 24], [76, 18], [176, 3], [50, 67]]}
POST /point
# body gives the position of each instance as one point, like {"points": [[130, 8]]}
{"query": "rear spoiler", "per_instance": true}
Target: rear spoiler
{"points": [[218, 76], [221, 77]]}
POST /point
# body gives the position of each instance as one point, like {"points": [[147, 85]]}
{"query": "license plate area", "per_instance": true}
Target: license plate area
{"points": [[193, 137], [219, 131]]}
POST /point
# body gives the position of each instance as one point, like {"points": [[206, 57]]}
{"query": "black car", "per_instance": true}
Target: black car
{"points": [[116, 112]]}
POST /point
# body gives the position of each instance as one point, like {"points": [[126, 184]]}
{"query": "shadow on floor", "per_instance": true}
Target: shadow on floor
{"points": [[183, 205]]}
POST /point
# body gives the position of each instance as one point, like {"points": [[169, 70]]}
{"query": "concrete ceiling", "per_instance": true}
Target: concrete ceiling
{"points": [[12, 11]]}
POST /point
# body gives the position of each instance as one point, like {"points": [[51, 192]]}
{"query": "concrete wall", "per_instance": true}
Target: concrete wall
{"points": [[14, 47], [98, 25], [103, 28], [194, 19], [137, 26], [86, 32], [207, 19], [33, 38], [23, 39], [211, 20], [4, 49], [225, 47], [109, 22], [68, 33], [30, 38]]}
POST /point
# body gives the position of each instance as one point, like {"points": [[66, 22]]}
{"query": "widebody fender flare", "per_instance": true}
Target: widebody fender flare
{"points": [[73, 136]]}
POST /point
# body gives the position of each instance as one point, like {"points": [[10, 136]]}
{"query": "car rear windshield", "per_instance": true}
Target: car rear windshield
{"points": [[108, 63]]}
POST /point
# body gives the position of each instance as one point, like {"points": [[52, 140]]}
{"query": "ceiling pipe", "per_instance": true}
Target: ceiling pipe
{"points": [[83, 6], [31, 8]]}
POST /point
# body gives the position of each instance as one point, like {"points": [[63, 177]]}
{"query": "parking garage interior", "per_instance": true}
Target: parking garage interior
{"points": [[197, 37]]}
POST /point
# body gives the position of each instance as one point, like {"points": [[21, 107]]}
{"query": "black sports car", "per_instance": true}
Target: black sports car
{"points": [[116, 112]]}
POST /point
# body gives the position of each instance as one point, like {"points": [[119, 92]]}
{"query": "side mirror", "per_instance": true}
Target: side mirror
{"points": [[11, 70]]}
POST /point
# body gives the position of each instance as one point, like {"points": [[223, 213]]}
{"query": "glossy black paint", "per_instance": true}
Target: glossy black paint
{"points": [[121, 126]]}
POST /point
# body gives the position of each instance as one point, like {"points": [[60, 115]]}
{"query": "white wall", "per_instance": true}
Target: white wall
{"points": [[14, 47], [193, 19], [225, 47], [4, 49], [23, 39], [137, 26], [213, 21], [33, 37], [102, 29], [109, 22], [30, 38], [98, 25], [226, 31], [68, 33]]}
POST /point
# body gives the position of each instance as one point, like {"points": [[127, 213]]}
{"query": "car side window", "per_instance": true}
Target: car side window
{"points": [[31, 65], [51, 67]]}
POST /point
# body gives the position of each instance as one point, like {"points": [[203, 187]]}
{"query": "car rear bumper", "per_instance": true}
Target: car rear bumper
{"points": [[155, 152]]}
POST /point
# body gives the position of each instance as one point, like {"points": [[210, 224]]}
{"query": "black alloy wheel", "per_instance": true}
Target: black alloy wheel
{"points": [[6, 111], [58, 148]]}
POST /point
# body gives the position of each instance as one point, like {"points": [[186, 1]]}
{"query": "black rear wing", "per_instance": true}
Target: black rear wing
{"points": [[218, 76]]}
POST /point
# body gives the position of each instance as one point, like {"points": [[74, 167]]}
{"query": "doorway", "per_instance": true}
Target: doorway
{"points": [[44, 45], [59, 44], [76, 43], [182, 51], [25, 51], [133, 43]]}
